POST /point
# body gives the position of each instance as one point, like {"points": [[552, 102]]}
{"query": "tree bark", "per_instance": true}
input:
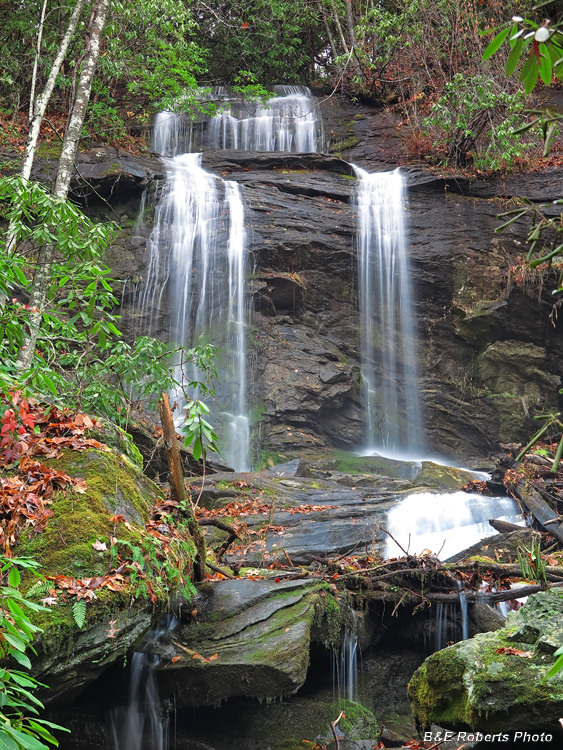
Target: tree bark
{"points": [[177, 486], [39, 106], [42, 275]]}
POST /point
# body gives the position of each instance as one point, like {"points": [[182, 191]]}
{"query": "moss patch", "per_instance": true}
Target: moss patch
{"points": [[497, 679]]}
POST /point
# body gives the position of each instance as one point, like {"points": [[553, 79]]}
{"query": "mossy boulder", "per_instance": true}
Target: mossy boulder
{"points": [[496, 680], [248, 638], [70, 657]]}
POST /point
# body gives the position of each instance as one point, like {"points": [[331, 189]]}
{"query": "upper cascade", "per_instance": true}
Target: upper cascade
{"points": [[286, 122]]}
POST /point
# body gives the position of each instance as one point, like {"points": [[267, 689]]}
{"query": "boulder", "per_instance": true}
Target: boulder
{"points": [[248, 638], [496, 681]]}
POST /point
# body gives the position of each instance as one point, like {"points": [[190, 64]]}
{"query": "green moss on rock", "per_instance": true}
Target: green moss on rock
{"points": [[479, 683]]}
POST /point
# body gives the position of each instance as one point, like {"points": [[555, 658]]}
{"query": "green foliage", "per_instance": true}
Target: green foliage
{"points": [[539, 48], [161, 566], [475, 118], [198, 432], [20, 727], [531, 564], [81, 358], [79, 613]]}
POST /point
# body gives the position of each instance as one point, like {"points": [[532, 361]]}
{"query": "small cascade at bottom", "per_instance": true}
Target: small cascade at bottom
{"points": [[140, 723], [345, 664]]}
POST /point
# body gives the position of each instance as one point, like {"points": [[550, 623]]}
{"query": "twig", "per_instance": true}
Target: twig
{"points": [[288, 558], [333, 727], [219, 570], [389, 534]]}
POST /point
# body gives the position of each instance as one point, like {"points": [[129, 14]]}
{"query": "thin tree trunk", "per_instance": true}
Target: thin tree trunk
{"points": [[42, 276], [36, 60], [39, 106], [339, 27], [177, 486]]}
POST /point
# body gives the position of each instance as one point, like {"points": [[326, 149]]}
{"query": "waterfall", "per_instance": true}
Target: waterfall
{"points": [[286, 122], [198, 256], [390, 394], [140, 723], [345, 665]]}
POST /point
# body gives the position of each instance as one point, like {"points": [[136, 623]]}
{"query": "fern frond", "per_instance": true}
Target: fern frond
{"points": [[79, 613]]}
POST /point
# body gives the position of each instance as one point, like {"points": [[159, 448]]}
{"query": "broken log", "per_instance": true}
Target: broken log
{"points": [[177, 486], [538, 508], [504, 527]]}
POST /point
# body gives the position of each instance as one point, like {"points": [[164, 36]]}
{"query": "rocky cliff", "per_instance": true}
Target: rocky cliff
{"points": [[488, 327]]}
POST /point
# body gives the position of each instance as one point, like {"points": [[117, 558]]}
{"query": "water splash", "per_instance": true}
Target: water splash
{"points": [[390, 395], [445, 523]]}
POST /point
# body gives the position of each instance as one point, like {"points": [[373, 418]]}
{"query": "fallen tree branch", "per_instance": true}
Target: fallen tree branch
{"points": [[219, 570], [537, 506]]}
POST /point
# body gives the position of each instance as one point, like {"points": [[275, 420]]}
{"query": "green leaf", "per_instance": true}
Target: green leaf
{"points": [[27, 741], [79, 613], [557, 667], [514, 57], [495, 43], [546, 70], [527, 67], [14, 577], [21, 659], [532, 77], [197, 449]]}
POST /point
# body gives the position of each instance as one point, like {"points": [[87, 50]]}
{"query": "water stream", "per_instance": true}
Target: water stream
{"points": [[445, 522], [140, 723]]}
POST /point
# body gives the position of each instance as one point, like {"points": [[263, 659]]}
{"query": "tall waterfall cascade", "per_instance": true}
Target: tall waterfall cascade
{"points": [[198, 248], [198, 254], [390, 395]]}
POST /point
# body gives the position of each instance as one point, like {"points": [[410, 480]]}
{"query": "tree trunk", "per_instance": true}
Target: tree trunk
{"points": [[39, 106], [42, 276]]}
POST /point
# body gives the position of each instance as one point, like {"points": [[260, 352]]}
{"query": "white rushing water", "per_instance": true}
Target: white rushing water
{"points": [[198, 257], [391, 400], [286, 122], [445, 523]]}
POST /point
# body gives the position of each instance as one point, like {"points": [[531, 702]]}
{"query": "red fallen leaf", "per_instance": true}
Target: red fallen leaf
{"points": [[334, 577], [277, 580], [214, 657], [174, 659], [197, 656], [510, 650], [244, 25]]}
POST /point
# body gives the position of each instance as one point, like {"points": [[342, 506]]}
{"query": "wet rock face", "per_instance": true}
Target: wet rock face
{"points": [[248, 638], [481, 684], [489, 350]]}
